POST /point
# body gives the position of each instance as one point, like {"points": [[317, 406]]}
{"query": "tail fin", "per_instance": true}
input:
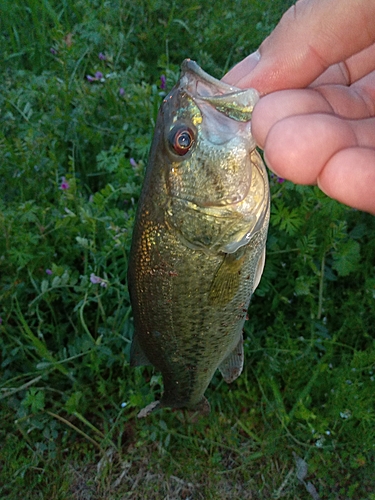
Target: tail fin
{"points": [[145, 412], [203, 408]]}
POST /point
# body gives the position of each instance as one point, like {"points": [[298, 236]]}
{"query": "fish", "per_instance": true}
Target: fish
{"points": [[199, 239]]}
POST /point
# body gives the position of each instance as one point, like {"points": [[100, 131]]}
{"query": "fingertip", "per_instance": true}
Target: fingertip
{"points": [[310, 37], [349, 177]]}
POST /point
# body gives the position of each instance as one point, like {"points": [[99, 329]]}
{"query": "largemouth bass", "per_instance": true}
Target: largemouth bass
{"points": [[198, 247]]}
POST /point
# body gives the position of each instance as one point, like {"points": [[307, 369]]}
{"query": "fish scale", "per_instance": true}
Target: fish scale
{"points": [[198, 247]]}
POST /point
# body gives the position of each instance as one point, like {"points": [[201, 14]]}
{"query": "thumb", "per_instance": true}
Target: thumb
{"points": [[311, 36]]}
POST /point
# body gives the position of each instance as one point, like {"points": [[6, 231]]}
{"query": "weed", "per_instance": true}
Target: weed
{"points": [[79, 99]]}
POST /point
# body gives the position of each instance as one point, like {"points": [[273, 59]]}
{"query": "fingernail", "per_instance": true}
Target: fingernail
{"points": [[241, 71], [256, 55], [266, 160]]}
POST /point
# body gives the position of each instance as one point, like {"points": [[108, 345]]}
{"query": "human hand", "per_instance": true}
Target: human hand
{"points": [[316, 117]]}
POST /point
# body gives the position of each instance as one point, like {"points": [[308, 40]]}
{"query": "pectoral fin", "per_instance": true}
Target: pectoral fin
{"points": [[232, 365], [227, 279]]}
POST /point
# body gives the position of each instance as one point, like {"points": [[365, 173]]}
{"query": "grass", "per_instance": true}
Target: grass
{"points": [[300, 422]]}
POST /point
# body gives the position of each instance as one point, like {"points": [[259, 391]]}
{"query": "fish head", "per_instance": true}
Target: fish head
{"points": [[207, 139]]}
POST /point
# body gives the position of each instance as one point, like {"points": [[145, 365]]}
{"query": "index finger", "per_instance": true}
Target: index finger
{"points": [[310, 37]]}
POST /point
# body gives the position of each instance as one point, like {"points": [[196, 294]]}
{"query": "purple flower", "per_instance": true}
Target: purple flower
{"points": [[133, 163], [101, 56], [49, 272], [64, 184], [97, 280], [280, 180], [53, 51], [121, 91], [98, 76], [163, 82]]}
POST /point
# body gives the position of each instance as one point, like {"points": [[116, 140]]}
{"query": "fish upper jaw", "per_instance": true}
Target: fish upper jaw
{"points": [[235, 103]]}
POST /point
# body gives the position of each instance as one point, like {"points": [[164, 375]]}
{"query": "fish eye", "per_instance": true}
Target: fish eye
{"points": [[181, 140]]}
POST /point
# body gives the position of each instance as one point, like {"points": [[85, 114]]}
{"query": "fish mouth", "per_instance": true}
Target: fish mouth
{"points": [[190, 66], [233, 102], [220, 117]]}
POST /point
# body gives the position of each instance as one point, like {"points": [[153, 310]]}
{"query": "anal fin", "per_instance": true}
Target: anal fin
{"points": [[232, 365]]}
